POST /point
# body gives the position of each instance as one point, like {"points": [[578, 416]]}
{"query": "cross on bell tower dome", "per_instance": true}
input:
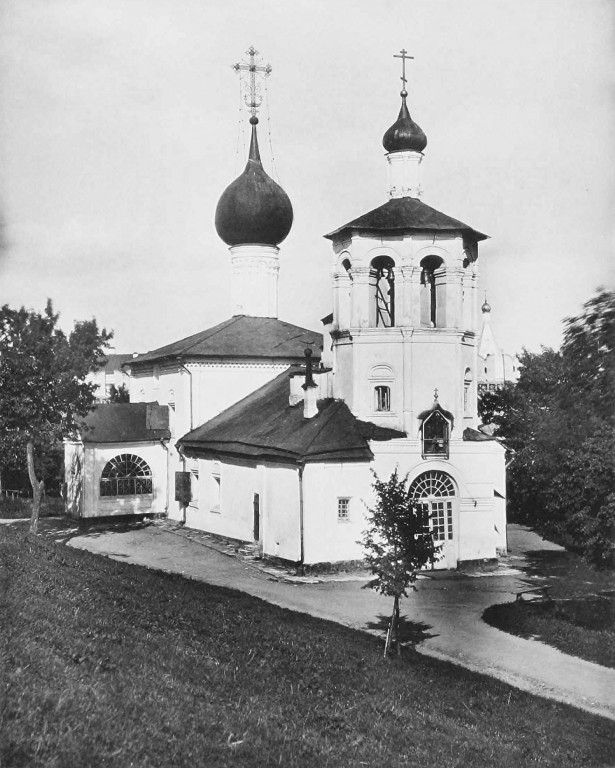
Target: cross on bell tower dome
{"points": [[254, 215], [404, 142]]}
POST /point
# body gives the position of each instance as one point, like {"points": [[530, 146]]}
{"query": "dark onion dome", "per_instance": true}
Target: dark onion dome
{"points": [[404, 135], [254, 210], [486, 306]]}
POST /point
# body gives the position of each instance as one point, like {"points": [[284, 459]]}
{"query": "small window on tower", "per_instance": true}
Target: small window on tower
{"points": [[343, 510], [383, 398]]}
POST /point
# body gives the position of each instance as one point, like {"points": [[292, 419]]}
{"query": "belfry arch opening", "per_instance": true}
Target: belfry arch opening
{"points": [[382, 281], [429, 298]]}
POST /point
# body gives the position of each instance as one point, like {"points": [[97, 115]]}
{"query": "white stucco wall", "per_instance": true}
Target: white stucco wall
{"points": [[83, 489], [278, 488], [477, 470]]}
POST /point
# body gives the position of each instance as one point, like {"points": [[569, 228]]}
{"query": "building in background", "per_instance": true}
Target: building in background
{"points": [[495, 367]]}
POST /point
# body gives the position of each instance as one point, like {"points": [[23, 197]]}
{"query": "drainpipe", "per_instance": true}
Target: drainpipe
{"points": [[301, 557], [163, 443], [189, 372], [180, 453]]}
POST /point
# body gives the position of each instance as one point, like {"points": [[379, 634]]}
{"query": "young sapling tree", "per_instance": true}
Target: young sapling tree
{"points": [[398, 542]]}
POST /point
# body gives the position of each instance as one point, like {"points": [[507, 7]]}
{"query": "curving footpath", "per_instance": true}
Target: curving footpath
{"points": [[446, 610]]}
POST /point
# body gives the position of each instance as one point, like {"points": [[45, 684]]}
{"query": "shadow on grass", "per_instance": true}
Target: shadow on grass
{"points": [[63, 529], [566, 572], [410, 632]]}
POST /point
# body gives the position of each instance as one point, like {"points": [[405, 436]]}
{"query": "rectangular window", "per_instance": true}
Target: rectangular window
{"points": [[194, 488], [343, 510], [383, 398], [215, 493]]}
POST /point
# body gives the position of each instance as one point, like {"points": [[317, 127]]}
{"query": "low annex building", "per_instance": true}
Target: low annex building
{"points": [[274, 431]]}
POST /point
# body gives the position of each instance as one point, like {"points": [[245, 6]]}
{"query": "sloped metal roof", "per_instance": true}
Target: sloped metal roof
{"points": [[263, 425], [126, 423], [406, 214], [241, 337]]}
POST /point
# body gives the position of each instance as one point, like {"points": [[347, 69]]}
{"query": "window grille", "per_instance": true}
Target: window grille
{"points": [[126, 475], [383, 398], [343, 510]]}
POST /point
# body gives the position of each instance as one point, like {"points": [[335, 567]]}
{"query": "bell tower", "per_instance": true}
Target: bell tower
{"points": [[405, 284]]}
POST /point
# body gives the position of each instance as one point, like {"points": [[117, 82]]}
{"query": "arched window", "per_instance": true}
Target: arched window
{"points": [[435, 492], [382, 398], [383, 287], [436, 433], [126, 475], [429, 314]]}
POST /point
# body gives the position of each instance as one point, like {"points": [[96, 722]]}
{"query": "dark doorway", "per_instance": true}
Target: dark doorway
{"points": [[257, 517]]}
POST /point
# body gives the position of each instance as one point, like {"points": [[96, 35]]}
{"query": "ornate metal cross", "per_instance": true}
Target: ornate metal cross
{"points": [[403, 57], [255, 99]]}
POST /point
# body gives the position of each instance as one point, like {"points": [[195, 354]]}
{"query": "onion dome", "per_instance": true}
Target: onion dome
{"points": [[254, 210], [486, 308], [404, 135]]}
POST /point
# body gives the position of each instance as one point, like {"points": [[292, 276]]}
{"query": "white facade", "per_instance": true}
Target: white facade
{"points": [[417, 355], [84, 466], [225, 502]]}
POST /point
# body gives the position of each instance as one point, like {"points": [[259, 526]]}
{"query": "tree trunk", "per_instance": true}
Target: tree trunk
{"points": [[38, 486], [393, 630], [396, 613]]}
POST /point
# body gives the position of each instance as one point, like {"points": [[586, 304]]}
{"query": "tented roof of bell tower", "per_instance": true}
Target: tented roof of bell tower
{"points": [[404, 215]]}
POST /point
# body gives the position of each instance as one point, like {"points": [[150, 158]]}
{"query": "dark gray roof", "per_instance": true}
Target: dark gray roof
{"points": [[406, 214], [115, 361], [263, 425], [241, 337], [126, 423]]}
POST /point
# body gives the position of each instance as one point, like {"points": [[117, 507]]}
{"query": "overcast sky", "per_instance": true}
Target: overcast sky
{"points": [[120, 129]]}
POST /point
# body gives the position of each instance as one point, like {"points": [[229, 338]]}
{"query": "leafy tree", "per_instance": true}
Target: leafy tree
{"points": [[119, 394], [42, 387], [559, 420], [398, 542]]}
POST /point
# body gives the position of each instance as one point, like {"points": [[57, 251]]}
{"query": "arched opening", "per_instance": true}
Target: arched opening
{"points": [[382, 279], [429, 314], [126, 475], [435, 492]]}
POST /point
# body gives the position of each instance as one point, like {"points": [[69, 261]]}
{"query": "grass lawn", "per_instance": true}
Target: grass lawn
{"points": [[107, 664], [14, 509], [579, 621], [583, 627]]}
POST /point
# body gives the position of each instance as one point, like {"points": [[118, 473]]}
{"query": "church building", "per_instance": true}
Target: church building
{"points": [[262, 432]]}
